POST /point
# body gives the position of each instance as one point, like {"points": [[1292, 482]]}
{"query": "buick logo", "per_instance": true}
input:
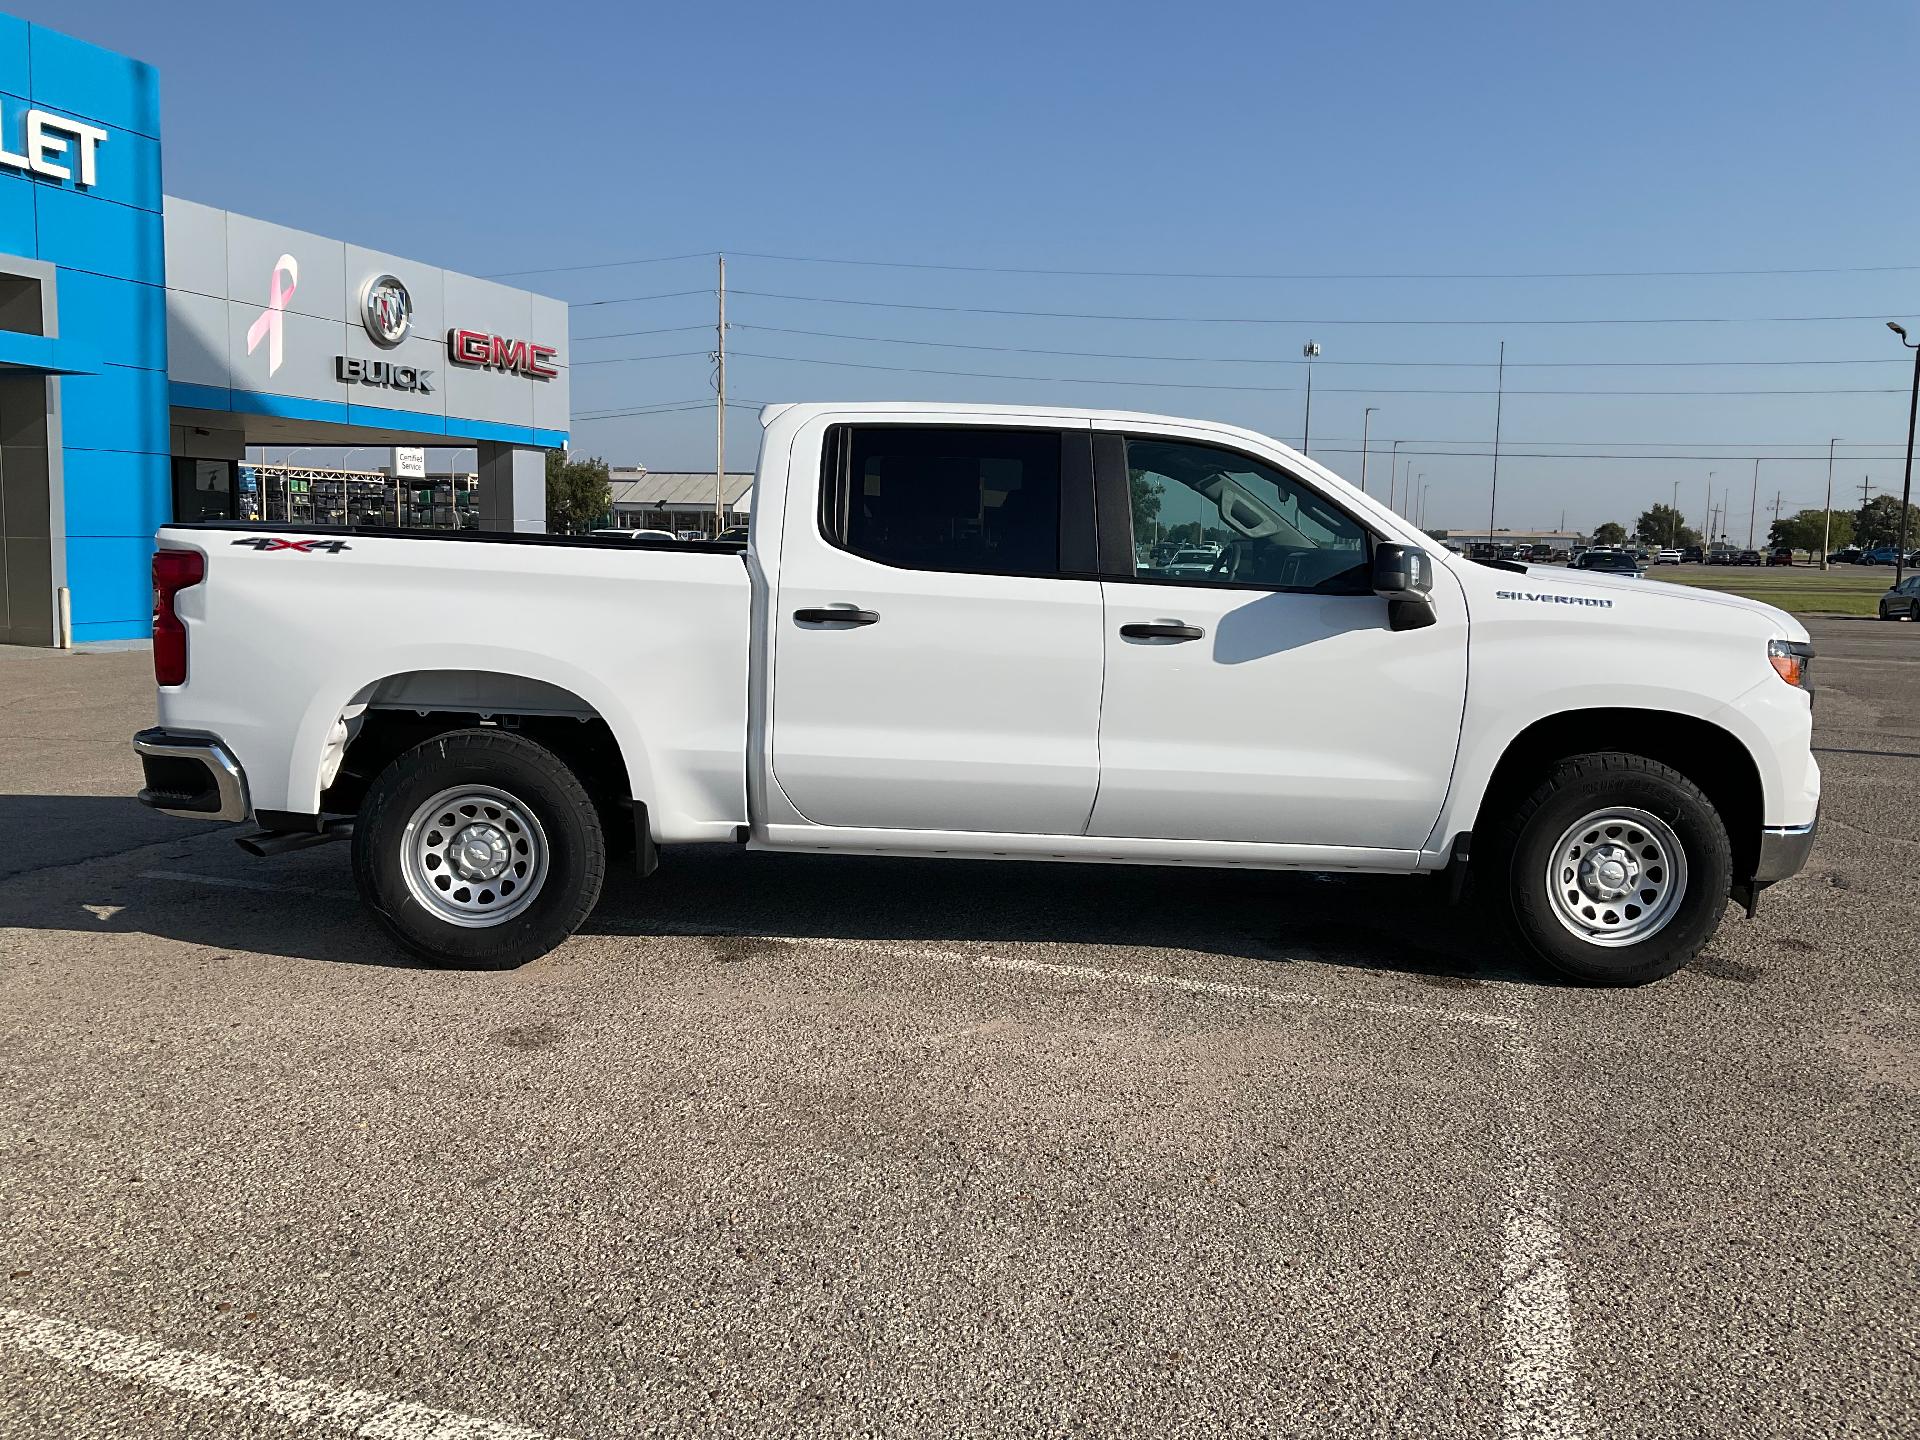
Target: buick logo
{"points": [[386, 309]]}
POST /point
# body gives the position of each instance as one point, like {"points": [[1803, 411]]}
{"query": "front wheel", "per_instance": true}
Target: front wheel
{"points": [[478, 848], [1616, 869]]}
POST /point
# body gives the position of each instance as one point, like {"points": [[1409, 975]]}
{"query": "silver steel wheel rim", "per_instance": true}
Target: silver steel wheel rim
{"points": [[1617, 877], [474, 856]]}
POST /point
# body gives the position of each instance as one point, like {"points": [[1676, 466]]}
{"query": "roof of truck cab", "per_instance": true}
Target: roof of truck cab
{"points": [[1118, 419]]}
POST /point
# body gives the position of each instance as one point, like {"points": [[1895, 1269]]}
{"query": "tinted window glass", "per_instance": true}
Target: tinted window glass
{"points": [[923, 498], [1207, 516]]}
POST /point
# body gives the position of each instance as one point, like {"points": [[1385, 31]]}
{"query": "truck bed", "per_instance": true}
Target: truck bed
{"points": [[296, 629]]}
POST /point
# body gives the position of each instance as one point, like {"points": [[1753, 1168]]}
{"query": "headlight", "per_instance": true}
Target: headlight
{"points": [[1793, 660]]}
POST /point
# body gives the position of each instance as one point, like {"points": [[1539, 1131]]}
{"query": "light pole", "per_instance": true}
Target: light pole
{"points": [[1673, 519], [1366, 423], [1420, 501], [1906, 488], [1308, 350], [1393, 473], [1753, 502], [1826, 539]]}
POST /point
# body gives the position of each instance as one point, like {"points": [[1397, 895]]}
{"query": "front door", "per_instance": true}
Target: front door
{"points": [[937, 647], [1254, 691]]}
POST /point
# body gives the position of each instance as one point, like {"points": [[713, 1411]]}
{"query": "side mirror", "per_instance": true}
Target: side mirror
{"points": [[1403, 576]]}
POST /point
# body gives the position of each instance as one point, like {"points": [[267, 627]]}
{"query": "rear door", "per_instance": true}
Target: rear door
{"points": [[938, 648]]}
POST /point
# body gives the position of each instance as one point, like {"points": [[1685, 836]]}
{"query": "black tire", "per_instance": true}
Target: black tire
{"points": [[532, 778], [1523, 848]]}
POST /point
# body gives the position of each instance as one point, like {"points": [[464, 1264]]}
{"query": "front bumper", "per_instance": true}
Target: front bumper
{"points": [[194, 776], [1783, 851]]}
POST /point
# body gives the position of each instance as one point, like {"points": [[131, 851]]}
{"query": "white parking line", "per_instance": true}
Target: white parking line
{"points": [[1138, 978], [1540, 1399], [191, 1372]]}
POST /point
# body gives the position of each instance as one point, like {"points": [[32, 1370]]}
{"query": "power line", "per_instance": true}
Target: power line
{"points": [[1215, 274], [631, 334], [626, 359], [1286, 360], [1256, 389], [604, 265], [635, 299], [1266, 320]]}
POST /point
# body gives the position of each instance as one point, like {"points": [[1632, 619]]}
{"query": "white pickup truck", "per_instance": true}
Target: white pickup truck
{"points": [[948, 636]]}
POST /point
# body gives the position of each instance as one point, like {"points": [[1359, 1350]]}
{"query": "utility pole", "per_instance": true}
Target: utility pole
{"points": [[1393, 468], [1366, 423], [1906, 485], [1500, 397], [1706, 540], [1309, 350], [720, 413], [1866, 485], [1673, 519], [1753, 502], [1826, 542]]}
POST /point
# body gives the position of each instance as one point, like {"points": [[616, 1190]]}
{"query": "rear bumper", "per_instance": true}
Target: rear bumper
{"points": [[194, 776], [1783, 851]]}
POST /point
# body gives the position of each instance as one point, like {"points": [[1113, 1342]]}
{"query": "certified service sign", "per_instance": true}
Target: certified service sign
{"points": [[386, 309]]}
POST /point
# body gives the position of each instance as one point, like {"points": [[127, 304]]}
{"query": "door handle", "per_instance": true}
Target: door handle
{"points": [[837, 615], [1162, 630]]}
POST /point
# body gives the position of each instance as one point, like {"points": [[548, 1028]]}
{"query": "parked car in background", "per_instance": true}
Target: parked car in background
{"points": [[1613, 562], [1848, 555], [1902, 602], [666, 535], [734, 535], [1720, 557], [1692, 555], [1882, 555], [1189, 563], [1666, 557], [1746, 557], [1782, 556]]}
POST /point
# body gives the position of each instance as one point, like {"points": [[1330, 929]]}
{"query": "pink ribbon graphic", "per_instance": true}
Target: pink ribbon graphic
{"points": [[267, 327]]}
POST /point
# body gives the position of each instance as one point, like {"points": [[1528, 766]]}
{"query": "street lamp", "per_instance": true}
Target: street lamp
{"points": [[1393, 473], [1673, 519], [1366, 422], [1906, 488], [1308, 350], [1826, 538]]}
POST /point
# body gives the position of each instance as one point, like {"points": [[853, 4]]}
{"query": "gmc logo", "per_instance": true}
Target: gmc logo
{"points": [[482, 351]]}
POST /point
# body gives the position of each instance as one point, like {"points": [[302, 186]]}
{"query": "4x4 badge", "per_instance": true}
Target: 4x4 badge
{"points": [[265, 543]]}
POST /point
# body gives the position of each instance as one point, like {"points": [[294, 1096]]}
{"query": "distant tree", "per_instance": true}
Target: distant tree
{"points": [[1146, 502], [1663, 525], [579, 493], [1611, 533], [1878, 521], [1808, 531]]}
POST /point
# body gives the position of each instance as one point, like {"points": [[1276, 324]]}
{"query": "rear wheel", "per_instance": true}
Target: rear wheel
{"points": [[1615, 869], [478, 848]]}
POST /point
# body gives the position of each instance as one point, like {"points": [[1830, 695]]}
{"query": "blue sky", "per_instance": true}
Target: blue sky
{"points": [[1361, 139]]}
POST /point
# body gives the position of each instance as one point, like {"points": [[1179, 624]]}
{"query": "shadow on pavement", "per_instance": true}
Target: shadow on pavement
{"points": [[1378, 923]]}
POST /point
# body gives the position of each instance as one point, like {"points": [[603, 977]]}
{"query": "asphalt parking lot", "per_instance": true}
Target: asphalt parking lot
{"points": [[802, 1145]]}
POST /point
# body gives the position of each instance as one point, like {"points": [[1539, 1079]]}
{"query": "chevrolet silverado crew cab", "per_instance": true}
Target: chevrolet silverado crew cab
{"points": [[948, 635]]}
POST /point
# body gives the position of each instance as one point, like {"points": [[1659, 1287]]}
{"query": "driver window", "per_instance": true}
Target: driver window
{"points": [[1205, 516]]}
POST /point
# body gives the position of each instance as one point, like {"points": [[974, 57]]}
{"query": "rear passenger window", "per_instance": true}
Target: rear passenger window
{"points": [[979, 501]]}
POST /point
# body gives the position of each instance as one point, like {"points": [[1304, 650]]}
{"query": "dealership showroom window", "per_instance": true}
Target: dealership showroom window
{"points": [[147, 341]]}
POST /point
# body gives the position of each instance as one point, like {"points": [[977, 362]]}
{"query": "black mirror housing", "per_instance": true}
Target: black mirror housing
{"points": [[1402, 572]]}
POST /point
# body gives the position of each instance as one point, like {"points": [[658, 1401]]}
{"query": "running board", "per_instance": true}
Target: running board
{"points": [[280, 842]]}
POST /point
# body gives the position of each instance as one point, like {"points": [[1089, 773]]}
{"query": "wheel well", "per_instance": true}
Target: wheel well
{"points": [[406, 710], [1712, 758]]}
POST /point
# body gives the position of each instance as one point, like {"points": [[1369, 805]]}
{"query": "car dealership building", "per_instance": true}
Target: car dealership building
{"points": [[146, 341]]}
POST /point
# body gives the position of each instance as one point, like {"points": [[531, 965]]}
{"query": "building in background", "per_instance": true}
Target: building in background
{"points": [[677, 500], [146, 341], [1558, 539]]}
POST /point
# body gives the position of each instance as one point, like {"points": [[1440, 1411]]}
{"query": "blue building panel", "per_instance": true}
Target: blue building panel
{"points": [[125, 320], [111, 578], [114, 494], [95, 83], [15, 70], [117, 409], [126, 165], [18, 230], [86, 233]]}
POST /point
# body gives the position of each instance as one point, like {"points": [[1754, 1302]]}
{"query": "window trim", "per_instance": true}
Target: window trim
{"points": [[1079, 554], [1117, 562]]}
